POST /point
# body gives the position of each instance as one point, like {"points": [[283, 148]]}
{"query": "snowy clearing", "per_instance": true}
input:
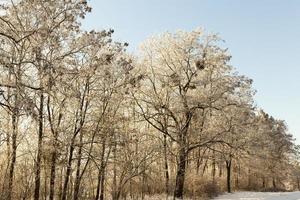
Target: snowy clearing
{"points": [[260, 196]]}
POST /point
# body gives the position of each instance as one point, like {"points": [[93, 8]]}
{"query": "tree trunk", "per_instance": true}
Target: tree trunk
{"points": [[102, 181], [238, 175], [130, 189], [198, 163], [228, 168], [78, 176], [61, 177], [213, 172], [220, 170], [249, 178], [180, 176], [54, 151], [166, 166], [115, 195], [14, 151], [39, 150], [274, 183], [68, 171], [12, 156], [98, 185], [101, 173], [204, 167], [45, 183], [53, 170], [144, 182], [103, 167]]}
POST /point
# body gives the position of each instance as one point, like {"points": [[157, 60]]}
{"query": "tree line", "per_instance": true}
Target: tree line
{"points": [[83, 119]]}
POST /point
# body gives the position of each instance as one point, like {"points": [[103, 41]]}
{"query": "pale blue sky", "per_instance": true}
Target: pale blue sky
{"points": [[263, 37]]}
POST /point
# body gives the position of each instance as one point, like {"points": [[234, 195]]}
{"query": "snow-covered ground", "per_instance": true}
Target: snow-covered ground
{"points": [[260, 196]]}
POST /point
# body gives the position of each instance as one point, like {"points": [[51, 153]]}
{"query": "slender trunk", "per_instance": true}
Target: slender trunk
{"points": [[45, 183], [78, 175], [115, 195], [54, 151], [213, 173], [8, 144], [130, 189], [102, 182], [103, 167], [166, 165], [220, 170], [8, 123], [39, 150], [101, 173], [274, 183], [180, 176], [228, 168], [237, 181], [143, 181], [98, 185], [249, 178], [61, 183], [298, 183], [204, 167], [198, 163], [14, 151], [53, 170], [68, 170], [8, 167], [238, 175]]}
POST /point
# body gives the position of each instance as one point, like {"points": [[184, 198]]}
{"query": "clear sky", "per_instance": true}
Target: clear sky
{"points": [[263, 37]]}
